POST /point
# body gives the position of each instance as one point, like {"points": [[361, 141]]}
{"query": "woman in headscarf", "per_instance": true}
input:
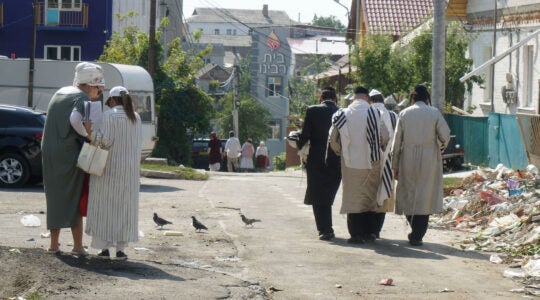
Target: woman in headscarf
{"points": [[113, 204], [62, 140], [262, 156], [246, 160]]}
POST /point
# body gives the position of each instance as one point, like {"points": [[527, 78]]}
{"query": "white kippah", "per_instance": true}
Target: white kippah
{"points": [[374, 92]]}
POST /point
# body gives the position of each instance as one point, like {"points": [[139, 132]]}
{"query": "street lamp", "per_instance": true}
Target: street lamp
{"points": [[348, 42], [348, 14]]}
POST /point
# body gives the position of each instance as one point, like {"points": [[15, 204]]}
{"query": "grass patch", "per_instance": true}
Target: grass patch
{"points": [[452, 181], [184, 173]]}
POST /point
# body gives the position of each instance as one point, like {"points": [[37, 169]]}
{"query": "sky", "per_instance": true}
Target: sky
{"points": [[306, 8]]}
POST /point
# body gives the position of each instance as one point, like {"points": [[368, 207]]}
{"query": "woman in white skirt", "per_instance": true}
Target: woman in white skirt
{"points": [[246, 161]]}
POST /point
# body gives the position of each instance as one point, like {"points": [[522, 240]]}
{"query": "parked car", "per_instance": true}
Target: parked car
{"points": [[199, 154], [21, 131], [453, 156]]}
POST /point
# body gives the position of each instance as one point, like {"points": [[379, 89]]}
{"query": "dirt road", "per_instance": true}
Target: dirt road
{"points": [[279, 258]]}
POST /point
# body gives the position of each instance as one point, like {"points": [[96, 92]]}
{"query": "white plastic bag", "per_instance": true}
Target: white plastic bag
{"points": [[30, 221]]}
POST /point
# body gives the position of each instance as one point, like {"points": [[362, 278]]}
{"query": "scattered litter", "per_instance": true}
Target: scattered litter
{"points": [[172, 233], [496, 259], [45, 234], [338, 286], [230, 258], [141, 249], [513, 274], [387, 281], [446, 290], [141, 234], [518, 290], [15, 250], [30, 221], [30, 239]]}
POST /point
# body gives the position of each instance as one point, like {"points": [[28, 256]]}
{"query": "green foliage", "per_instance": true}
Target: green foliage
{"points": [[182, 173], [398, 70], [330, 21], [184, 109], [253, 118], [279, 161]]}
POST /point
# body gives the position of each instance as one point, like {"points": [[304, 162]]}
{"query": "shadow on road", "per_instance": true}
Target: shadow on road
{"points": [[401, 248], [129, 269], [154, 188]]}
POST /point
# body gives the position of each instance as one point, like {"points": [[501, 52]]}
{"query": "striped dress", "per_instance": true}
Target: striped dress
{"points": [[113, 204]]}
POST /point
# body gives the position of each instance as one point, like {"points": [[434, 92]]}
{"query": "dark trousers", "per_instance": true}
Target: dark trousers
{"points": [[361, 224], [323, 218], [419, 226], [379, 221]]}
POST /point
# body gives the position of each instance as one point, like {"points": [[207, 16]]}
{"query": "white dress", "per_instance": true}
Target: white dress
{"points": [[113, 203]]}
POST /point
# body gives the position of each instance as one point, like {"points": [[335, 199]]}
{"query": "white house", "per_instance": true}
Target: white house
{"points": [[514, 88]]}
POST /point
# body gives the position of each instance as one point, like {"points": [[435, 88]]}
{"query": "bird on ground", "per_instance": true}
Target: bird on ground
{"points": [[198, 225], [248, 221], [159, 221]]}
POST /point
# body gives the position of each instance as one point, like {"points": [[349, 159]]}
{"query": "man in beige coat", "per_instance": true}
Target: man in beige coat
{"points": [[421, 133], [359, 135]]}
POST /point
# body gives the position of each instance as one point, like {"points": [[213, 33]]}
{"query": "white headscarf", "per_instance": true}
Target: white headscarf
{"points": [[88, 73]]}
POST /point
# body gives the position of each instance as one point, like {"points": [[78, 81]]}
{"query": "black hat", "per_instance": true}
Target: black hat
{"points": [[361, 90]]}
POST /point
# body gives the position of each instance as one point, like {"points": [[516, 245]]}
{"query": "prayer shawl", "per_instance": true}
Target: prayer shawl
{"points": [[358, 154], [387, 174]]}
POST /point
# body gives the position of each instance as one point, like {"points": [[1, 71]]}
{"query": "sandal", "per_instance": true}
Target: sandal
{"points": [[81, 252], [53, 251]]}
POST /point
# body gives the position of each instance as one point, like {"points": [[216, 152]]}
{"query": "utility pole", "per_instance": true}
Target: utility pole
{"points": [[152, 39], [494, 52], [438, 53], [236, 100], [31, 66]]}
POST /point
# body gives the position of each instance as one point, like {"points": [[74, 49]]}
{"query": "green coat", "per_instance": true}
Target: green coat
{"points": [[60, 147]]}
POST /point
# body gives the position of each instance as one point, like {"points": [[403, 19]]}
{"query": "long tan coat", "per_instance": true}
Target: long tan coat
{"points": [[421, 133]]}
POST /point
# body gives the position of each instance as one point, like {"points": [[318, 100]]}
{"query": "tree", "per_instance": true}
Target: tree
{"points": [[184, 109], [330, 21]]}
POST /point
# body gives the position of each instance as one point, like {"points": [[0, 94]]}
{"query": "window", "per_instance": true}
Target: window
{"points": [[274, 86], [64, 4], [70, 53], [234, 32], [229, 31], [216, 31], [275, 129]]}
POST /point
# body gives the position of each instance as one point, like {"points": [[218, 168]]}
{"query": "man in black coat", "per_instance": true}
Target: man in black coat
{"points": [[323, 166]]}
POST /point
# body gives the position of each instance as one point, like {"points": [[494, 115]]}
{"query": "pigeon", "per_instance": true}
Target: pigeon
{"points": [[248, 221], [159, 221], [198, 225]]}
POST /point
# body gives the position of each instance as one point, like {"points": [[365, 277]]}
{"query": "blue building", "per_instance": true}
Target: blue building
{"points": [[77, 29]]}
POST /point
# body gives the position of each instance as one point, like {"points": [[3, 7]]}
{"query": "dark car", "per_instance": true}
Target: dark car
{"points": [[21, 130], [199, 154], [453, 156]]}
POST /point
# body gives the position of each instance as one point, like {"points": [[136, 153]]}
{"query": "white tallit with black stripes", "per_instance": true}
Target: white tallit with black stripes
{"points": [[359, 128], [389, 118]]}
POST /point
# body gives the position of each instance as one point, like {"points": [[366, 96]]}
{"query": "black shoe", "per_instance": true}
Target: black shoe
{"points": [[369, 237], [378, 235], [414, 242], [356, 240], [327, 236], [104, 254], [120, 255]]}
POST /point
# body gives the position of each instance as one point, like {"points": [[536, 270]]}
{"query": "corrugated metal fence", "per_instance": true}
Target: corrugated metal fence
{"points": [[529, 126], [488, 141]]}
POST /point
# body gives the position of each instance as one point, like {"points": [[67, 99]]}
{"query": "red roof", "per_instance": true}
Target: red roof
{"points": [[395, 17]]}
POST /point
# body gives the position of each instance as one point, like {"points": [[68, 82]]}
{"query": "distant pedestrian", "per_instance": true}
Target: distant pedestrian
{"points": [[214, 152], [359, 135], [420, 135], [261, 156], [232, 149], [323, 165], [246, 160], [62, 141], [385, 197]]}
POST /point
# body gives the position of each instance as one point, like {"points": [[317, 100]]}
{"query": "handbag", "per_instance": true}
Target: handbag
{"points": [[92, 159]]}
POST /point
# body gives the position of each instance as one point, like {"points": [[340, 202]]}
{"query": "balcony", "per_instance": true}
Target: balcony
{"points": [[52, 17]]}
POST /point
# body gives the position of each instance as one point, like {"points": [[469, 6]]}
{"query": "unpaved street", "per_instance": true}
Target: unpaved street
{"points": [[279, 258]]}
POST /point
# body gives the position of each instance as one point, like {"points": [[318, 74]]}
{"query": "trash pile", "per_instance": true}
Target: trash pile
{"points": [[501, 208]]}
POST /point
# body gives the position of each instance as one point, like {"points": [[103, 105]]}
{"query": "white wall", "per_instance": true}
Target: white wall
{"points": [[142, 7], [209, 28]]}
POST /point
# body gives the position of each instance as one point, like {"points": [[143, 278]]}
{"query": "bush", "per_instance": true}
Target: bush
{"points": [[279, 161]]}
